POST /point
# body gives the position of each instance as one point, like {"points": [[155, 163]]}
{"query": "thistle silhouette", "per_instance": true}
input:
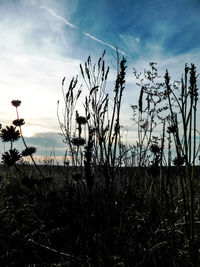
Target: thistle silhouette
{"points": [[19, 122]]}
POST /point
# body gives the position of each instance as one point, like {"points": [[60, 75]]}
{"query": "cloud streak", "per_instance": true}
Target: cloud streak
{"points": [[102, 42], [53, 13], [59, 17]]}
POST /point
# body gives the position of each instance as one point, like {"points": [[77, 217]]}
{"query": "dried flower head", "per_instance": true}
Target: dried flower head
{"points": [[154, 148], [28, 151], [19, 122], [16, 103], [140, 102], [78, 141], [9, 134], [66, 162], [81, 120], [11, 157], [178, 161], [172, 129], [144, 125]]}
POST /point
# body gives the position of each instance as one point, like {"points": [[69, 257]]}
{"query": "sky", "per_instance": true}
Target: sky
{"points": [[43, 41]]}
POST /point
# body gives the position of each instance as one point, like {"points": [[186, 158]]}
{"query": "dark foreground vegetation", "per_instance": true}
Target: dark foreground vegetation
{"points": [[110, 204]]}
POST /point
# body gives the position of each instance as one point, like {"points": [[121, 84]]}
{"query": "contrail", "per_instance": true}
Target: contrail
{"points": [[102, 42], [59, 17], [85, 33]]}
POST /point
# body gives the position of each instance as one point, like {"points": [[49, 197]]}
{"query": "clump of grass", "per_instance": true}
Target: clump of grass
{"points": [[174, 105], [103, 130], [186, 148]]}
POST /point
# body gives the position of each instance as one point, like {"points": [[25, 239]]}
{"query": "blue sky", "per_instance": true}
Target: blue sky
{"points": [[44, 40]]}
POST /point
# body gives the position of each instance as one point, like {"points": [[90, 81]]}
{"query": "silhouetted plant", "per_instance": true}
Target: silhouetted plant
{"points": [[186, 151], [66, 125], [19, 122], [179, 161], [28, 151], [9, 134], [11, 157], [106, 131], [150, 112], [100, 212]]}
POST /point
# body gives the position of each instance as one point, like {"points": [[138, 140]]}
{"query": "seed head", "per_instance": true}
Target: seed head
{"points": [[11, 157], [66, 162], [154, 148], [28, 151], [19, 122], [172, 129], [179, 161], [16, 103], [81, 120], [140, 102], [78, 141], [9, 134]]}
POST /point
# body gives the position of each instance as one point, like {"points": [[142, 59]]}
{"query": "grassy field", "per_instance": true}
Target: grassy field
{"points": [[54, 220]]}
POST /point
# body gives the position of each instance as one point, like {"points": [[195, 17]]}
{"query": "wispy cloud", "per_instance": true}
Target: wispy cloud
{"points": [[53, 13]]}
